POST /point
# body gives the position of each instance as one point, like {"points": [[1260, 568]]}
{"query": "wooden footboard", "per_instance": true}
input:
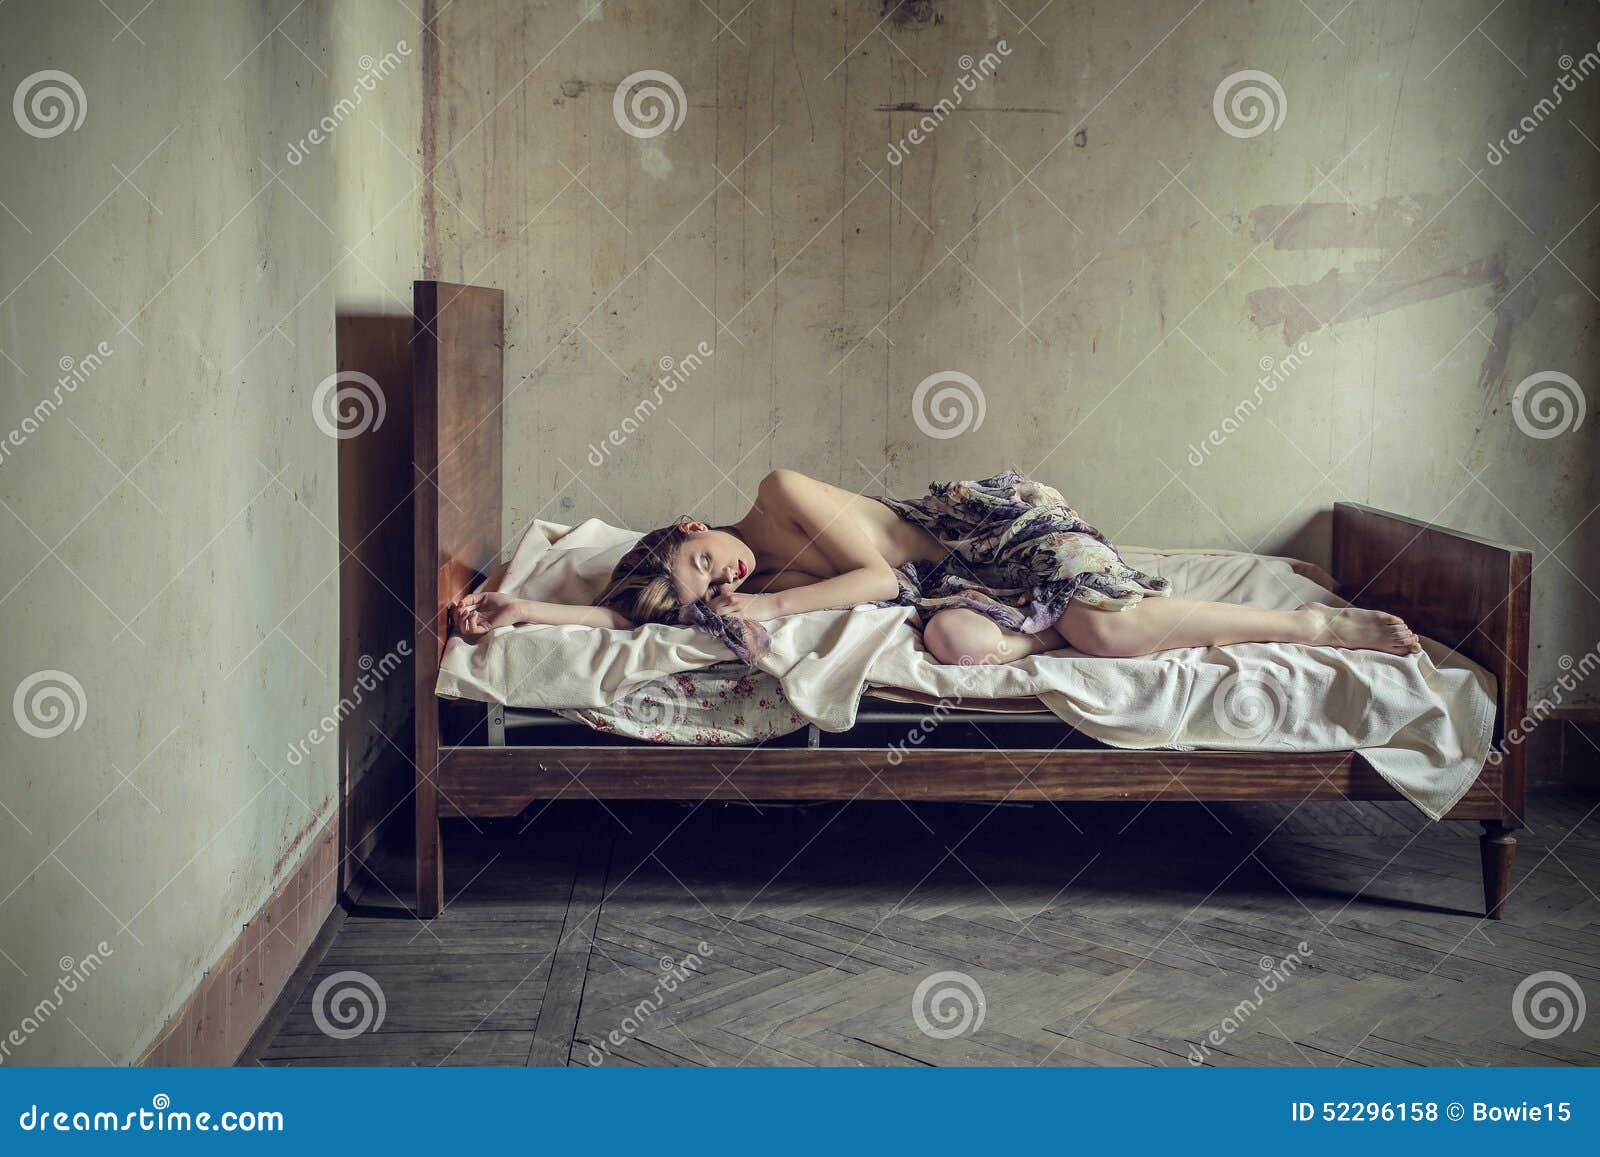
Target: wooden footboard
{"points": [[1466, 592], [1471, 594]]}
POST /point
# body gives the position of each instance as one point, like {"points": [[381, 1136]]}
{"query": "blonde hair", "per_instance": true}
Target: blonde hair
{"points": [[641, 587], [642, 590]]}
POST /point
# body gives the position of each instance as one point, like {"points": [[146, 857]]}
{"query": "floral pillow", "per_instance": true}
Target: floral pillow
{"points": [[712, 707]]}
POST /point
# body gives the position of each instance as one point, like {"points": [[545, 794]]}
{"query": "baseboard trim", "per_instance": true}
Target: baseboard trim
{"points": [[217, 1021], [1564, 751], [289, 998]]}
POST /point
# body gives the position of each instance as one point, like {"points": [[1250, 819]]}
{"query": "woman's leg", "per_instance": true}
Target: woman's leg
{"points": [[968, 638], [1162, 624]]}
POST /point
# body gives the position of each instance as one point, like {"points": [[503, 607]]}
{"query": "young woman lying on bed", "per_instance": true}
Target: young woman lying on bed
{"points": [[998, 569]]}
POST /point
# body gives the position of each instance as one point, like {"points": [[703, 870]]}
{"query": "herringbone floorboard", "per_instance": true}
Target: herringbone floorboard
{"points": [[1086, 935]]}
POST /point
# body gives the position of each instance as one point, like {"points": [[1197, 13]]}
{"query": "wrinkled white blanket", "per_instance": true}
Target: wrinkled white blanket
{"points": [[1423, 721]]}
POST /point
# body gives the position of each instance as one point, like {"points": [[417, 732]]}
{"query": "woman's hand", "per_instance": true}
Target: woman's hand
{"points": [[756, 608], [476, 615]]}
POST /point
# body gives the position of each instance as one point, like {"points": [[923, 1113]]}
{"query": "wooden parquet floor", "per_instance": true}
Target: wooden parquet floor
{"points": [[879, 934]]}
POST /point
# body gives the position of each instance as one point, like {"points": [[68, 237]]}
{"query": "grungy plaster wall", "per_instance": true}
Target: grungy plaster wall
{"points": [[1081, 236], [171, 559]]}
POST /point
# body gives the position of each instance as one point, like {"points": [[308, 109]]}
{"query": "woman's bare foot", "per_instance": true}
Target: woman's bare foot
{"points": [[476, 615], [1360, 629]]}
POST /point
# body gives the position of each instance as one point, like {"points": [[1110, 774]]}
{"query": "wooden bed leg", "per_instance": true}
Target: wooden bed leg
{"points": [[430, 844], [425, 795], [430, 869], [1497, 845]]}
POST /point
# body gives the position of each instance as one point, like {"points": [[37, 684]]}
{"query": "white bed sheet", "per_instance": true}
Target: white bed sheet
{"points": [[1424, 722]]}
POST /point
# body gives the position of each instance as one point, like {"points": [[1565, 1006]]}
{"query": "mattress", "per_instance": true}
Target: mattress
{"points": [[1423, 721]]}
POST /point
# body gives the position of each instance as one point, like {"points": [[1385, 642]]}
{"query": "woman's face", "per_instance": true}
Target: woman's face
{"points": [[709, 559]]}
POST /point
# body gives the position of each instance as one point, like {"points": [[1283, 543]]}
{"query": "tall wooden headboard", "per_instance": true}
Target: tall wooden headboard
{"points": [[457, 389]]}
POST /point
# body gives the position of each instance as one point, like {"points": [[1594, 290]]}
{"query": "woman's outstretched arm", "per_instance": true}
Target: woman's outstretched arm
{"points": [[476, 615], [821, 513], [864, 585]]}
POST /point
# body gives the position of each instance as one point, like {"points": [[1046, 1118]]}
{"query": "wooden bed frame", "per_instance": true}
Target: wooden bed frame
{"points": [[1466, 592]]}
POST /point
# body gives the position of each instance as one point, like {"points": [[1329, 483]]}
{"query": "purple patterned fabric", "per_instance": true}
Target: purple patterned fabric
{"points": [[1018, 555], [748, 640]]}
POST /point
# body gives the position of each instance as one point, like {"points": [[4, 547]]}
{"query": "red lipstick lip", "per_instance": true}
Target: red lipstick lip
{"points": [[741, 568]]}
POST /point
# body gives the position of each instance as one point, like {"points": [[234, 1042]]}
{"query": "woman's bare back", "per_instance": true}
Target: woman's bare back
{"points": [[788, 554]]}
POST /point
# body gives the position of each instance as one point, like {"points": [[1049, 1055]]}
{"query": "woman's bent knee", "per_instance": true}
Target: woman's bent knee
{"points": [[961, 636]]}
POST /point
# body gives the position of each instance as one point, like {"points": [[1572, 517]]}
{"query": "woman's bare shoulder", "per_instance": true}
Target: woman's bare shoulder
{"points": [[785, 479], [794, 486]]}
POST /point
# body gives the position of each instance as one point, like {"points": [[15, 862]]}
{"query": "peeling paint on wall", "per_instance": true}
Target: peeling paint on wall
{"points": [[1373, 287], [1416, 242], [1388, 223]]}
